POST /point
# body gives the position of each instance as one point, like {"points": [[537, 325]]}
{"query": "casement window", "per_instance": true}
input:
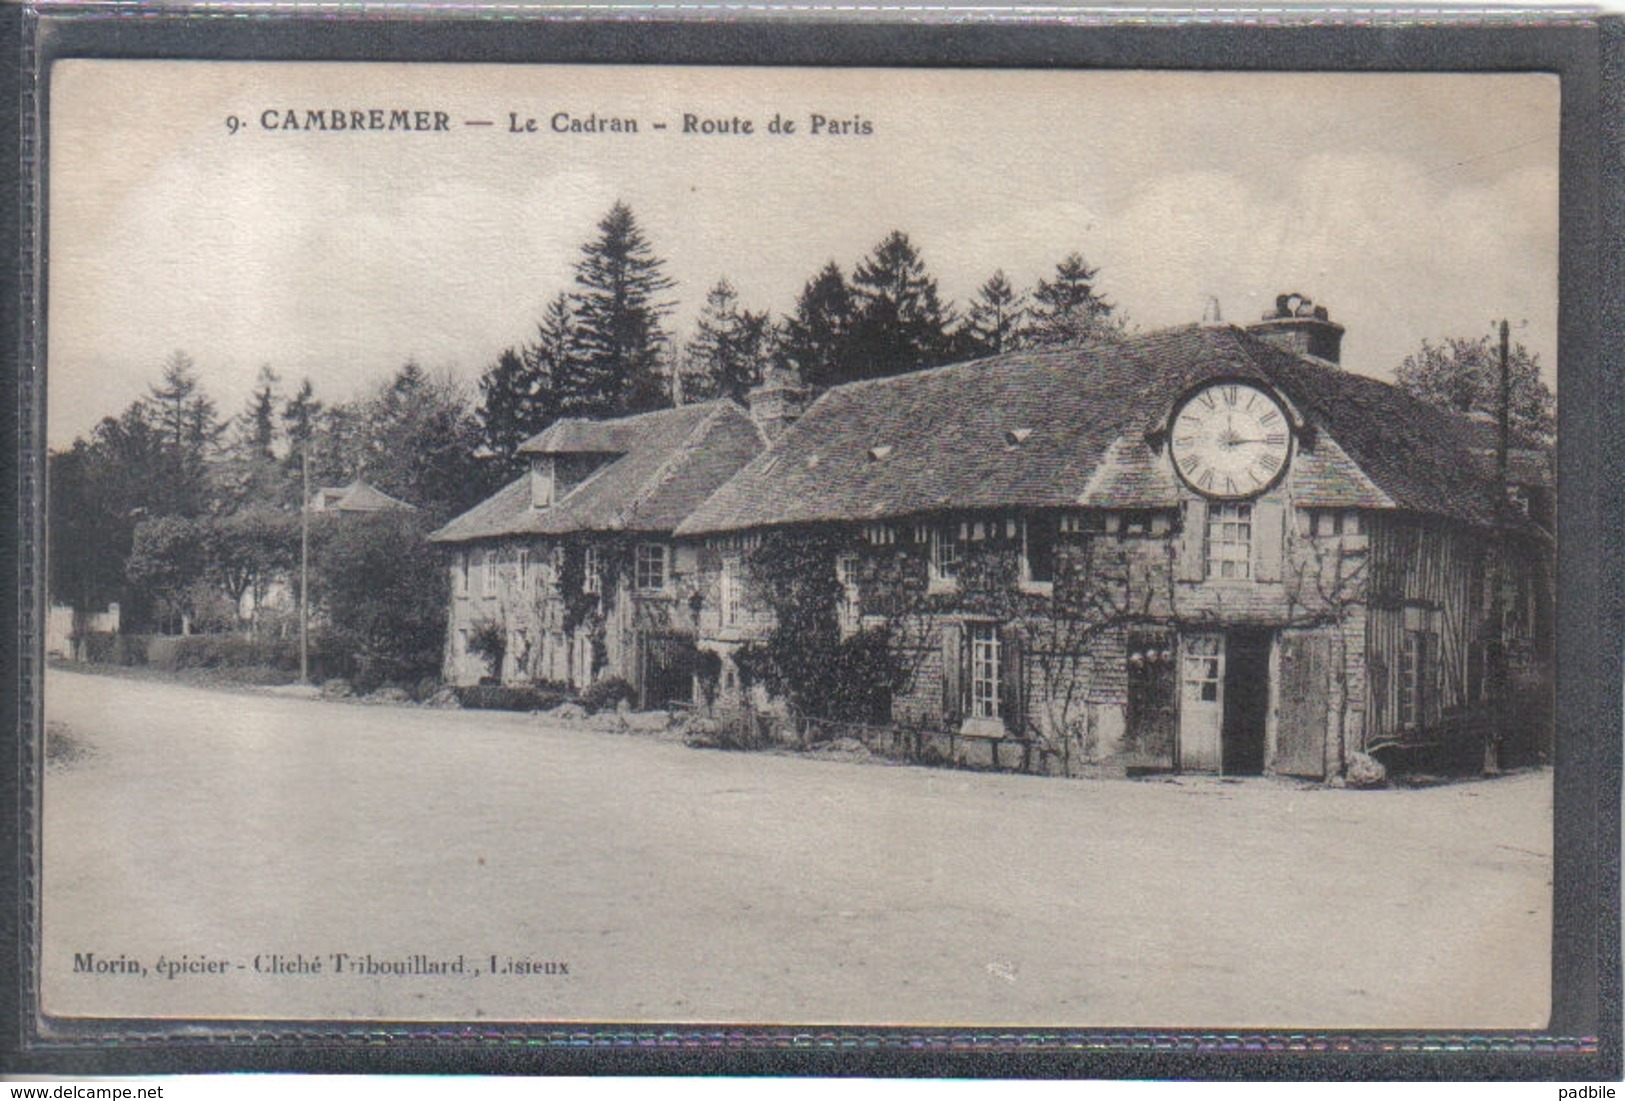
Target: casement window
{"points": [[1326, 523], [846, 571], [1230, 541], [984, 670], [462, 642], [984, 674], [649, 568], [462, 572], [880, 535], [524, 569], [490, 572], [592, 571], [1038, 549], [944, 555], [733, 592]]}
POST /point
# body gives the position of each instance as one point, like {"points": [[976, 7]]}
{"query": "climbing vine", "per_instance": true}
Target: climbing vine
{"points": [[804, 659]]}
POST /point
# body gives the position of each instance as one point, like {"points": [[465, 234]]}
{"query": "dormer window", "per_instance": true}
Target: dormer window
{"points": [[1014, 437], [879, 452], [541, 481]]}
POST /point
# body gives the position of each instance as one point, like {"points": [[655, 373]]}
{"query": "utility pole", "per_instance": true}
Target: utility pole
{"points": [[1503, 566], [304, 558]]}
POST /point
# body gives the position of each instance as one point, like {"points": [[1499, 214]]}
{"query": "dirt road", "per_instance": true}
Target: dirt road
{"points": [[258, 836]]}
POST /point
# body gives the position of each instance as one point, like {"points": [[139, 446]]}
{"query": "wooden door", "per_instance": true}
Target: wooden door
{"points": [[1201, 702], [1152, 700], [1301, 713]]}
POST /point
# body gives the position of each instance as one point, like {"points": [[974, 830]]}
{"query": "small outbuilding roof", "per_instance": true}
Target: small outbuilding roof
{"points": [[358, 496], [664, 465]]}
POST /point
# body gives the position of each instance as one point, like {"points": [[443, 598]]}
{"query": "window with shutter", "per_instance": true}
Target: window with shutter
{"points": [[1193, 551], [1013, 682], [1269, 521], [953, 681]]}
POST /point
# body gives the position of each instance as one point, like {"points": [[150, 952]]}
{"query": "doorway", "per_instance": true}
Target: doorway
{"points": [[1246, 701]]}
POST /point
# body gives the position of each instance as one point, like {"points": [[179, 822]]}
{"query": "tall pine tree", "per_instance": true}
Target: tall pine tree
{"points": [[902, 323], [994, 320], [816, 340], [619, 311], [191, 430], [729, 351], [253, 474], [1068, 309]]}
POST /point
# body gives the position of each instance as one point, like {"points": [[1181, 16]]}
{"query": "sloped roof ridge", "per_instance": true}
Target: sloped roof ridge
{"points": [[612, 427], [671, 465]]}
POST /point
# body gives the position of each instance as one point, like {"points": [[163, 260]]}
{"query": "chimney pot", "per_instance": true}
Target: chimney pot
{"points": [[1299, 326]]}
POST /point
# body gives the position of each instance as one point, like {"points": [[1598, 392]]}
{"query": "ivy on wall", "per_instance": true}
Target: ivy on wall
{"points": [[804, 659]]}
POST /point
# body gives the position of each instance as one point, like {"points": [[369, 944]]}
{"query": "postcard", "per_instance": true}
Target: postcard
{"points": [[688, 545]]}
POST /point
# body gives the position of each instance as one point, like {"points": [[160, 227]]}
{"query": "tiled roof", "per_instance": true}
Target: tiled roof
{"points": [[1064, 428], [668, 462]]}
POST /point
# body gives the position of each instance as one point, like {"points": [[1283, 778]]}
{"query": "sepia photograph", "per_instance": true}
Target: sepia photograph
{"points": [[798, 547]]}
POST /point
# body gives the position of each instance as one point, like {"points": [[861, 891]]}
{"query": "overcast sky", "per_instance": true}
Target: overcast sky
{"points": [[1411, 206]]}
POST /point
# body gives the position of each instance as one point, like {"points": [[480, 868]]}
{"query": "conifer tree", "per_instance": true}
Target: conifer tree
{"points": [[619, 312], [994, 320], [191, 430], [729, 350], [253, 476], [816, 340], [902, 323], [1068, 309], [507, 393]]}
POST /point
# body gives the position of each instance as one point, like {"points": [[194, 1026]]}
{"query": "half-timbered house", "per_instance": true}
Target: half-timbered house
{"points": [[1207, 548]]}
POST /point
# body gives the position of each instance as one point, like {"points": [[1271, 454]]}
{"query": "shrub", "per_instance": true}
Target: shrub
{"points": [[108, 648], [737, 730], [607, 692], [488, 641], [512, 697], [708, 672], [383, 589]]}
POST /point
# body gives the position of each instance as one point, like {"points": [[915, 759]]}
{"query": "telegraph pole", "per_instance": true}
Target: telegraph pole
{"points": [[1503, 565]]}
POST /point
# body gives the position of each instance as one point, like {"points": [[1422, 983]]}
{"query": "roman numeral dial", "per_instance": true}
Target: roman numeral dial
{"points": [[1230, 439]]}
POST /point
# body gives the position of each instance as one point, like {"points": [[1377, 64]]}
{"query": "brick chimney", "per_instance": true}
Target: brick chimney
{"points": [[779, 400], [1302, 328]]}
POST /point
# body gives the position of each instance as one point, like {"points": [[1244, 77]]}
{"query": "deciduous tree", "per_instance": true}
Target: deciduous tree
{"points": [[1464, 374]]}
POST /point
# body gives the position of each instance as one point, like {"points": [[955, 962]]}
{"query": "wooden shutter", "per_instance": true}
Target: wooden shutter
{"points": [[1012, 682], [1268, 524], [953, 672], [1193, 551]]}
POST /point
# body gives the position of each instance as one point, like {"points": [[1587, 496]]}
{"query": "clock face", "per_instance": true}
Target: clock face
{"points": [[1230, 439]]}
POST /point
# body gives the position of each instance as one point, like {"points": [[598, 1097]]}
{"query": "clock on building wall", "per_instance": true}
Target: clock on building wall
{"points": [[1230, 439]]}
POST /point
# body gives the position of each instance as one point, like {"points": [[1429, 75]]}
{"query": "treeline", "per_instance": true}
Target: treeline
{"points": [[602, 348], [178, 513], [186, 516]]}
